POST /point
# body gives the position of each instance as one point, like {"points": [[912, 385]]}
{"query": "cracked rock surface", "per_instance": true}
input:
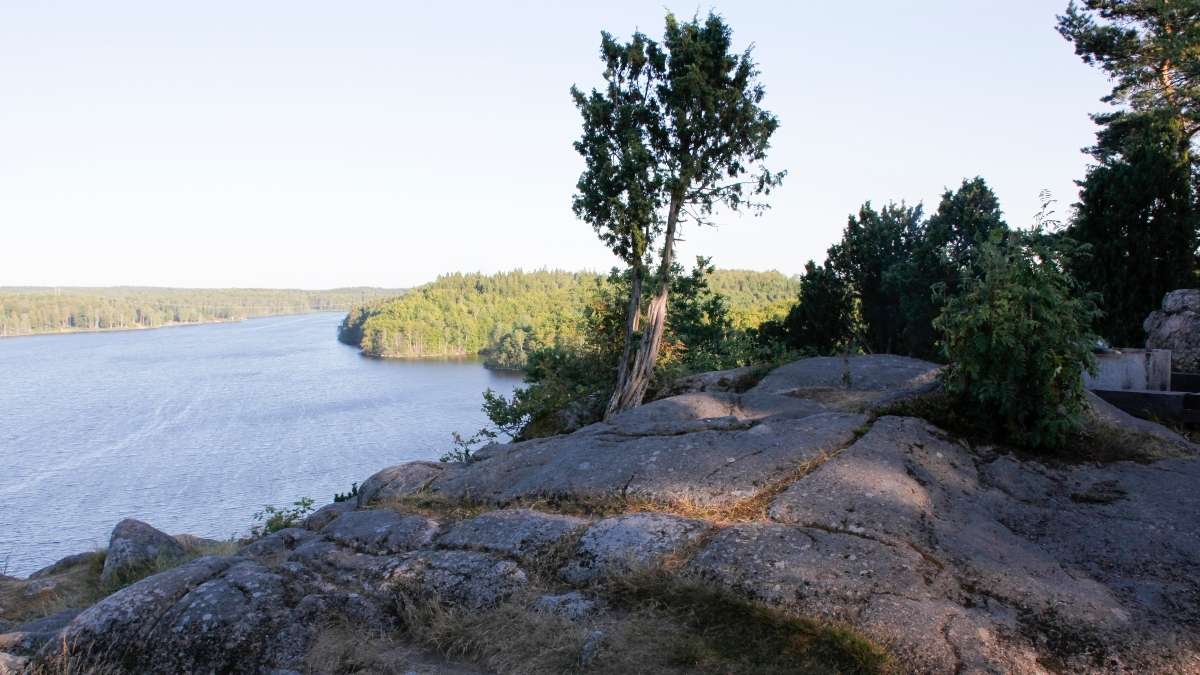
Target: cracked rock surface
{"points": [[790, 494]]}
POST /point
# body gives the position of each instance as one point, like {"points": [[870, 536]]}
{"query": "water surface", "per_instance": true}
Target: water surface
{"points": [[193, 429]]}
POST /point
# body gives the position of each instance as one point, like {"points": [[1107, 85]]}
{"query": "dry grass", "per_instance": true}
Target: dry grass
{"points": [[76, 586]]}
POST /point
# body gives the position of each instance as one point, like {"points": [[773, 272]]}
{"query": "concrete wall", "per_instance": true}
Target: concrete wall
{"points": [[1134, 369]]}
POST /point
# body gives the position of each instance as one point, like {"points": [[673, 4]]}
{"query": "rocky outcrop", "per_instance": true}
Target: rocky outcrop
{"points": [[792, 495], [135, 546], [1177, 327]]}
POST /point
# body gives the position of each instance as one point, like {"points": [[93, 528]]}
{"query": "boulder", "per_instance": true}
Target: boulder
{"points": [[381, 531], [64, 564], [136, 546], [630, 543], [467, 578], [1177, 327], [403, 480], [520, 533], [326, 514]]}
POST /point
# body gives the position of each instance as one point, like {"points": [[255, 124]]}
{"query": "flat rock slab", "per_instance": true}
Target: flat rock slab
{"points": [[325, 515], [572, 605], [625, 544], [468, 578], [381, 531], [520, 533], [398, 481], [135, 545], [705, 466]]}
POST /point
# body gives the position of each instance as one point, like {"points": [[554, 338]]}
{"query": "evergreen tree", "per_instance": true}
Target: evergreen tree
{"points": [[1150, 49], [822, 318], [1138, 215], [679, 128], [872, 244]]}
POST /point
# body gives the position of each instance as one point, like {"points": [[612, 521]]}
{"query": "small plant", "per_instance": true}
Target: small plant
{"points": [[1018, 340], [274, 519], [346, 496], [464, 448]]}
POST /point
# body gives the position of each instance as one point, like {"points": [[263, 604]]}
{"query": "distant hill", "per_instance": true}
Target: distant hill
{"points": [[30, 310], [465, 314]]}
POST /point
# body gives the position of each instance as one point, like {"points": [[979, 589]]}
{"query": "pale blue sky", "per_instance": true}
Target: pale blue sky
{"points": [[319, 144]]}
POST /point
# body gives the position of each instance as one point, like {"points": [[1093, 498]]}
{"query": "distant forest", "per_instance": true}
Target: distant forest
{"points": [[35, 310], [470, 314]]}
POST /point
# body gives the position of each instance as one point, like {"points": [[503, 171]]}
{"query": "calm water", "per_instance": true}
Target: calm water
{"points": [[193, 429]]}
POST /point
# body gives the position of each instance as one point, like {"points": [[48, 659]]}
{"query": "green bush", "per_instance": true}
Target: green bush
{"points": [[1018, 338], [275, 518]]}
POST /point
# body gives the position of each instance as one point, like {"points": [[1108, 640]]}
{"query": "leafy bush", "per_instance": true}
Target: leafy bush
{"points": [[274, 519], [464, 449], [1018, 340]]}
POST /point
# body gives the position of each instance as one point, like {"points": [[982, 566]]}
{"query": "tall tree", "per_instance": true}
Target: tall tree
{"points": [[620, 192], [697, 137], [871, 245], [1137, 210], [1138, 215], [1150, 49], [822, 318]]}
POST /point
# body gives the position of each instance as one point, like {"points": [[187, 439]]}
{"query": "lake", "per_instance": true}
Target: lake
{"points": [[193, 429]]}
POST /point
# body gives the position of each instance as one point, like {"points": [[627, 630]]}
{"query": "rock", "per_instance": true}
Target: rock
{"points": [[27, 638], [193, 544], [1177, 327], [520, 533], [381, 531], [591, 647], [11, 664], [64, 564], [276, 543], [573, 605], [326, 514], [625, 544], [705, 462], [1182, 300], [403, 480], [135, 546], [734, 380], [467, 578], [1143, 439]]}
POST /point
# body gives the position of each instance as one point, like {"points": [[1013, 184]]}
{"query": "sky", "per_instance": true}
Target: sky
{"points": [[299, 144]]}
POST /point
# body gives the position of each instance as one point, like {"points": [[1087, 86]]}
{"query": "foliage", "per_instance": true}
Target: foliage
{"points": [[878, 288], [31, 310], [352, 493], [507, 317], [1150, 49], [464, 449], [821, 321], [274, 518], [1017, 337], [675, 133], [566, 384], [1138, 214]]}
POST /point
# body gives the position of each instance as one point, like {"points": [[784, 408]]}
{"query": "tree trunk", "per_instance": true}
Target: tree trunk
{"points": [[632, 316], [631, 392]]}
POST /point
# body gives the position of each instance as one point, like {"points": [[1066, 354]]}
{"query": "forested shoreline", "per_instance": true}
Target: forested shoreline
{"points": [[28, 310], [506, 315]]}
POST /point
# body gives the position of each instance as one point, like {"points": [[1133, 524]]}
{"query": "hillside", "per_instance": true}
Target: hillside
{"points": [[30, 310], [464, 314]]}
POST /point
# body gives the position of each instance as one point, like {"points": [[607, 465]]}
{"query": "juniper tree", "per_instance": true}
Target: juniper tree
{"points": [[677, 133]]}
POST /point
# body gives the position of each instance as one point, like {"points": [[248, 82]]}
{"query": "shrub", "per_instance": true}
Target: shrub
{"points": [[274, 518], [1018, 339]]}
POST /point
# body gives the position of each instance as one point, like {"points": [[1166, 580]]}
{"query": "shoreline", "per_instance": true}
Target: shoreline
{"points": [[180, 324]]}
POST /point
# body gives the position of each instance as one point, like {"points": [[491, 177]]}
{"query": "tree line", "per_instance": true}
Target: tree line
{"points": [[507, 316], [35, 310]]}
